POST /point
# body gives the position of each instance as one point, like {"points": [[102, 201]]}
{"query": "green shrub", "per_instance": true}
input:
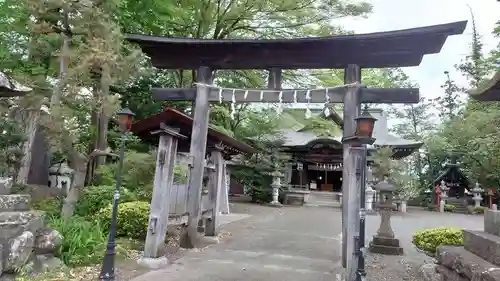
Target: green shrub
{"points": [[132, 218], [428, 240], [137, 174], [94, 198], [479, 210], [449, 208], [51, 207], [84, 242]]}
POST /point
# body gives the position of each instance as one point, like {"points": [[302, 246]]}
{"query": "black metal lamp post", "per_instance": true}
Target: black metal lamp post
{"points": [[363, 136], [125, 118]]}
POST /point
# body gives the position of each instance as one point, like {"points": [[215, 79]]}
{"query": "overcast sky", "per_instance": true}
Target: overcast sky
{"points": [[400, 14]]}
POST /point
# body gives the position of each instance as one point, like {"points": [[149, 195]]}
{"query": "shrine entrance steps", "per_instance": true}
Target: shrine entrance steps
{"points": [[323, 199], [460, 205]]}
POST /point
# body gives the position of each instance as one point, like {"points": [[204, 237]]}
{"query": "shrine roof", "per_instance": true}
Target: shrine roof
{"points": [[175, 118], [451, 172], [374, 50], [489, 90], [296, 139], [11, 88]]}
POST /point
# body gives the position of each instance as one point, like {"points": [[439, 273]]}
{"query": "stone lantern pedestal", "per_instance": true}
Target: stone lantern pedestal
{"points": [[384, 242], [276, 185]]}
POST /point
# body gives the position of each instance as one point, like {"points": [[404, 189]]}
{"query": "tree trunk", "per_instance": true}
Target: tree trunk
{"points": [[31, 124], [89, 175], [79, 165]]}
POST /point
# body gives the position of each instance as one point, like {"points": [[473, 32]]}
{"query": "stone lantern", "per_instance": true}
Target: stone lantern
{"points": [[60, 176], [476, 191], [444, 195], [384, 242], [276, 185]]}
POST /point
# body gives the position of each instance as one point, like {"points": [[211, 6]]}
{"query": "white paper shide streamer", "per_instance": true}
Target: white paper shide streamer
{"points": [[308, 113], [308, 99], [327, 102], [233, 105], [280, 103]]}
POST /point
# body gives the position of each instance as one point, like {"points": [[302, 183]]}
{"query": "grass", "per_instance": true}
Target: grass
{"points": [[84, 242]]}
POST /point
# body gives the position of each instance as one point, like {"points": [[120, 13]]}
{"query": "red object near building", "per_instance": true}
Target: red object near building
{"points": [[438, 195]]}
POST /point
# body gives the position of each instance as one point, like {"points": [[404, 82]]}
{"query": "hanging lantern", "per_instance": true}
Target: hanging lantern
{"points": [[125, 119], [364, 130], [365, 124]]}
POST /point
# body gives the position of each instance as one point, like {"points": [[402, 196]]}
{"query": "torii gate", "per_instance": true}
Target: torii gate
{"points": [[351, 52]]}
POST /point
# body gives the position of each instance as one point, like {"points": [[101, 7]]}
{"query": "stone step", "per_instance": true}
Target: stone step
{"points": [[386, 249], [459, 264], [483, 244], [13, 224], [323, 195], [15, 202]]}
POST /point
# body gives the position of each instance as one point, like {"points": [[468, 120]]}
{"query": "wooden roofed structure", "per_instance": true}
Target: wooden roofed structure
{"points": [[176, 119], [489, 90], [11, 88], [308, 147], [350, 52], [454, 178]]}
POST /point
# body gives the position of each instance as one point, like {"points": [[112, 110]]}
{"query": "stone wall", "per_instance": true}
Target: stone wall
{"points": [[23, 237], [477, 260]]}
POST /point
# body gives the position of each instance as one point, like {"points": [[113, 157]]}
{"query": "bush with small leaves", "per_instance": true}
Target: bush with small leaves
{"points": [[479, 210], [450, 208], [429, 239], [132, 219], [94, 198]]}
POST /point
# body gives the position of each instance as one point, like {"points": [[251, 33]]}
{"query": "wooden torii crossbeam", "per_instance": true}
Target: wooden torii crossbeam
{"points": [[335, 94]]}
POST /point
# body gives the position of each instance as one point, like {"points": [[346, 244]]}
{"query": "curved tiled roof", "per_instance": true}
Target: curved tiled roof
{"points": [[489, 90]]}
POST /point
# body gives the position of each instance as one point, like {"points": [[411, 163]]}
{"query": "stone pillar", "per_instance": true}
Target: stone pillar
{"points": [[444, 195], [477, 195], [160, 203], [403, 206], [384, 242], [224, 193], [289, 172], [369, 198], [276, 189]]}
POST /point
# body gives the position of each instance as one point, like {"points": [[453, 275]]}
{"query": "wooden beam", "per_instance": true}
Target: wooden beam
{"points": [[274, 79], [197, 152], [159, 210], [390, 95], [352, 73], [368, 95]]}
